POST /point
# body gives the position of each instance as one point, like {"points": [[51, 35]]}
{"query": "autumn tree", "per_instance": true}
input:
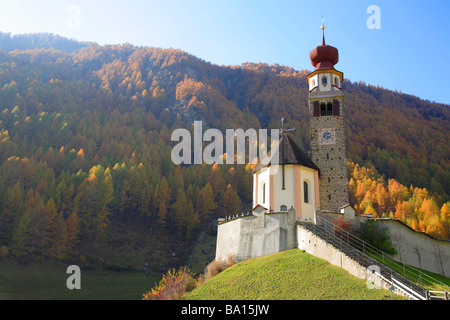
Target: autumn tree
{"points": [[21, 239], [205, 204], [56, 233], [179, 212], [230, 203], [10, 211], [162, 199], [72, 227], [91, 203], [217, 181]]}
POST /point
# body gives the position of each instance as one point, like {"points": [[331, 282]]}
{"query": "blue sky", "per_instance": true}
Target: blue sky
{"points": [[410, 52]]}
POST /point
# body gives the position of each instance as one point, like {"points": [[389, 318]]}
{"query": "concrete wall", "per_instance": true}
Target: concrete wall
{"points": [[414, 248], [257, 235], [417, 248]]}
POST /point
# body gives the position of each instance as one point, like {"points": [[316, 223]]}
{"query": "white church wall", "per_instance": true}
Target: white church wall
{"points": [[313, 82], [283, 197], [293, 193], [326, 87], [262, 178]]}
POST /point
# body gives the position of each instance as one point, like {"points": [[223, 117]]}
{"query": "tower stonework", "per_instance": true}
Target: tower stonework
{"points": [[326, 114]]}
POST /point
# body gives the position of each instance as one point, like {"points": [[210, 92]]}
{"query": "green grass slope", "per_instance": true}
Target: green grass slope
{"points": [[287, 275]]}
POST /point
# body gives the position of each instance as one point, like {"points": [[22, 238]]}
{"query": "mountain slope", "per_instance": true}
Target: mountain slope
{"points": [[403, 136], [85, 143], [9, 42], [287, 275]]}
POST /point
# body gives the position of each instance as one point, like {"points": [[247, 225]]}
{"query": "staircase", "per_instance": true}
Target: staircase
{"points": [[358, 250]]}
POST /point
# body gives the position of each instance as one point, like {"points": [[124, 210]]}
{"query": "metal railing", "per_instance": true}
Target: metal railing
{"points": [[374, 256]]}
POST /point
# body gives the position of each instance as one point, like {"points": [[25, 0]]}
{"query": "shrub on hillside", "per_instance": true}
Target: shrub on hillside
{"points": [[217, 266], [173, 285], [342, 227]]}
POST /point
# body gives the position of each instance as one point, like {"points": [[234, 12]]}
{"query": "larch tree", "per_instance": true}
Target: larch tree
{"points": [[230, 202], [21, 239]]}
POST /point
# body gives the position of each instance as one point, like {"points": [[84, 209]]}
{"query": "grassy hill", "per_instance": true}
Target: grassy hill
{"points": [[287, 275]]}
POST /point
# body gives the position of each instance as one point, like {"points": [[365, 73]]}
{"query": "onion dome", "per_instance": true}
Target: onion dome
{"points": [[324, 56]]}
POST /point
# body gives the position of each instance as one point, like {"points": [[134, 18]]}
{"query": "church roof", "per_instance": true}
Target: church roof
{"points": [[290, 153], [325, 94], [324, 57]]}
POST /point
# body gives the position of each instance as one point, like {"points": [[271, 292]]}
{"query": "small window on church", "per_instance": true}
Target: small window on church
{"points": [[323, 109], [313, 82], [329, 197], [324, 80], [283, 209], [264, 193], [336, 81], [306, 192], [329, 109]]}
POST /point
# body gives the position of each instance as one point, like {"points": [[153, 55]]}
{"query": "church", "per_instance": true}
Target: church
{"points": [[295, 183], [305, 181], [297, 189]]}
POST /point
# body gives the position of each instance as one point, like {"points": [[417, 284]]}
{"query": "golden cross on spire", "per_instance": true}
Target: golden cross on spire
{"points": [[323, 32]]}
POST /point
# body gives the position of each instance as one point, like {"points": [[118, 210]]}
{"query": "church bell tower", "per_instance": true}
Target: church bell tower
{"points": [[326, 106]]}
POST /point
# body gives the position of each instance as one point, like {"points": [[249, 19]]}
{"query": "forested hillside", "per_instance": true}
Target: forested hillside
{"points": [[85, 142]]}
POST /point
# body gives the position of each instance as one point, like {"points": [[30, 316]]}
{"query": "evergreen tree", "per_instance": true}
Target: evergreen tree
{"points": [[192, 220], [217, 182], [230, 203], [162, 197], [205, 204], [39, 228], [10, 211], [56, 239], [72, 230], [179, 212], [21, 240]]}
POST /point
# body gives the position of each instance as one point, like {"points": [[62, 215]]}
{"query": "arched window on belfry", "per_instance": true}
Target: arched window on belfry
{"points": [[323, 109], [329, 109]]}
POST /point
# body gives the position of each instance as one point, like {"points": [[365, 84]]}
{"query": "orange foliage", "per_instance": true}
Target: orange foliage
{"points": [[413, 206], [172, 286]]}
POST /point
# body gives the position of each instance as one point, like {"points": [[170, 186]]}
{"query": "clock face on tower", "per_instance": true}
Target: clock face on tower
{"points": [[327, 136]]}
